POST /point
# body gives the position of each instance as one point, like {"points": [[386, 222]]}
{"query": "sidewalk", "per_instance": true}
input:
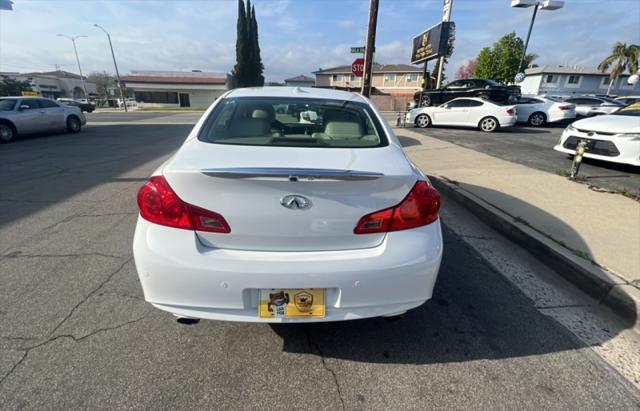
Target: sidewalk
{"points": [[593, 226]]}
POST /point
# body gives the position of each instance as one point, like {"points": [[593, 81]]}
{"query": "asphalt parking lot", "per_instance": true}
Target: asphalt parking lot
{"points": [[75, 331], [533, 147]]}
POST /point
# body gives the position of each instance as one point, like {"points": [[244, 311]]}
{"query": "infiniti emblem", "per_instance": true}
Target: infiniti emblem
{"points": [[295, 202]]}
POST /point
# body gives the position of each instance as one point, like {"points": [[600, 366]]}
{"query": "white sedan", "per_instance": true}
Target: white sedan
{"points": [[538, 110], [465, 111], [613, 137], [265, 219]]}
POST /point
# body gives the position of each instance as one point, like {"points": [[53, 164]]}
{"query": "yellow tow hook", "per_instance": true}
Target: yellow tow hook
{"points": [[577, 159]]}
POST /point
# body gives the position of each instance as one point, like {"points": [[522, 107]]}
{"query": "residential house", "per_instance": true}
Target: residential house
{"points": [[392, 85], [571, 81], [175, 88]]}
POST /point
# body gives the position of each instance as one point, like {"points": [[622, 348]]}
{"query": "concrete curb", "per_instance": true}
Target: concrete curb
{"points": [[608, 289]]}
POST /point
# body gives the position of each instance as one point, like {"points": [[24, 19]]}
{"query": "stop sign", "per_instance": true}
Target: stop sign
{"points": [[357, 67]]}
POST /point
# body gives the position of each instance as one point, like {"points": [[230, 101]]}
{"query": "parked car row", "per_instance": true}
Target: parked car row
{"points": [[534, 110], [29, 115]]}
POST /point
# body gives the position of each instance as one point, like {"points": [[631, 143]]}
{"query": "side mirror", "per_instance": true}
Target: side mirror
{"points": [[24, 107]]}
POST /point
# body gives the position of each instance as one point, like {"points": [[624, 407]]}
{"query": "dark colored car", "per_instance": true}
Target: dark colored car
{"points": [[488, 89], [88, 107]]}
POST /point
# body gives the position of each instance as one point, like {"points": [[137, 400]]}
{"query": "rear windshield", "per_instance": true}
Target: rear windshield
{"points": [[293, 122], [7, 104]]}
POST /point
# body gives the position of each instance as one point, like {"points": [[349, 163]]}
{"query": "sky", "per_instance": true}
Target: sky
{"points": [[296, 36]]}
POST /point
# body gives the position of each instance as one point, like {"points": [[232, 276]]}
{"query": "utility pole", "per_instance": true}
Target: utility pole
{"points": [[448, 5], [371, 44], [73, 40], [124, 101]]}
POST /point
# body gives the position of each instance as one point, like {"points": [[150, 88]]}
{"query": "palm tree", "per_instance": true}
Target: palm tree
{"points": [[622, 58]]}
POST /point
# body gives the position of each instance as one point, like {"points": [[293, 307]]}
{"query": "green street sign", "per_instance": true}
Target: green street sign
{"points": [[357, 50]]}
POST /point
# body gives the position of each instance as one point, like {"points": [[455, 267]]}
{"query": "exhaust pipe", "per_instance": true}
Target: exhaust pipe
{"points": [[186, 320]]}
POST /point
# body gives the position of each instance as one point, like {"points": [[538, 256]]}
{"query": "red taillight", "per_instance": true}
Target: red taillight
{"points": [[569, 107], [420, 207], [159, 204], [510, 111]]}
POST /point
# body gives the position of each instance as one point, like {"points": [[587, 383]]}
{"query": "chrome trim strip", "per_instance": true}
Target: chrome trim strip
{"points": [[292, 174]]}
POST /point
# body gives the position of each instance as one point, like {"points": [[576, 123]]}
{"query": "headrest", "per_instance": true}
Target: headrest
{"points": [[260, 114]]}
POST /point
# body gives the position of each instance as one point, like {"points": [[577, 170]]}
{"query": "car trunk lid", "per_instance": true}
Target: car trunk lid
{"points": [[290, 198]]}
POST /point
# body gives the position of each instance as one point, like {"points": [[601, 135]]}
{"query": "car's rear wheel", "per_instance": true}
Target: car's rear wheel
{"points": [[488, 124], [7, 132], [537, 119], [425, 100], [73, 124], [423, 121]]}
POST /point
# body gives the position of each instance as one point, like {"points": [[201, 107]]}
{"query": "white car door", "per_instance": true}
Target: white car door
{"points": [[525, 107], [477, 110], [453, 113]]}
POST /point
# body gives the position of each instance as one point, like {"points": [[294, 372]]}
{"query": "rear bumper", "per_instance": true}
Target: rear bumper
{"points": [[507, 121], [180, 275], [561, 115]]}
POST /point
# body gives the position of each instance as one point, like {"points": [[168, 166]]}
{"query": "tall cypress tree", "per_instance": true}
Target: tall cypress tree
{"points": [[240, 74], [256, 60], [248, 69]]}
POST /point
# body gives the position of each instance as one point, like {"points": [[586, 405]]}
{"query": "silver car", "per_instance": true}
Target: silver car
{"points": [[587, 106], [28, 115]]}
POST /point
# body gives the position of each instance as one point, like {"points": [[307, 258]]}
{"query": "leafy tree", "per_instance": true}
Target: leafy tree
{"points": [[467, 70], [104, 81], [13, 87], [622, 58], [248, 69], [500, 62]]}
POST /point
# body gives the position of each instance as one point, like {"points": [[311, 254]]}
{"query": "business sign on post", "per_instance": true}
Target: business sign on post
{"points": [[431, 43], [357, 67]]}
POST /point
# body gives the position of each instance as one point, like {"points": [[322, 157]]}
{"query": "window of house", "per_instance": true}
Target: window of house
{"points": [[412, 77], [606, 80], [550, 78], [390, 77], [573, 80], [337, 77]]}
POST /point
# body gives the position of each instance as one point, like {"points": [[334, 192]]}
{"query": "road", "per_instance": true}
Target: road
{"points": [[533, 147], [75, 331]]}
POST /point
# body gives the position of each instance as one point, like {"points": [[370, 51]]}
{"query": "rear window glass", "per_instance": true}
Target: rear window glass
{"points": [[293, 122]]}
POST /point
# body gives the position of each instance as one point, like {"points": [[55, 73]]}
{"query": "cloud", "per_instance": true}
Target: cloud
{"points": [[345, 24]]}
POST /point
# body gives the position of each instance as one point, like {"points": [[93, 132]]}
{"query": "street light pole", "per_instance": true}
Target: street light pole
{"points": [[526, 43], [124, 102], [75, 49], [537, 4]]}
